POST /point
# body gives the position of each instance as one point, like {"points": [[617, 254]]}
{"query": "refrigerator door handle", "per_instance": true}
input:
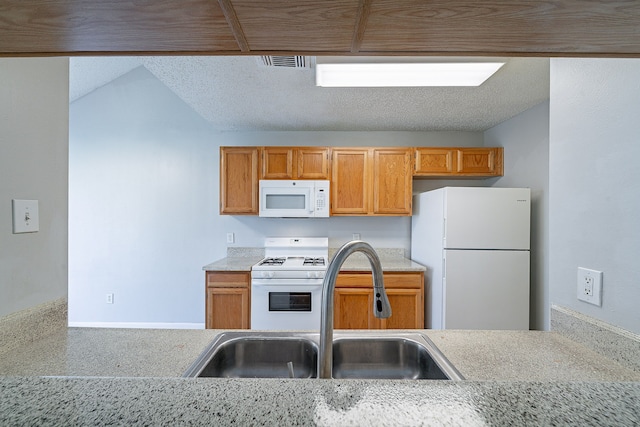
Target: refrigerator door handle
{"points": [[444, 268], [444, 230]]}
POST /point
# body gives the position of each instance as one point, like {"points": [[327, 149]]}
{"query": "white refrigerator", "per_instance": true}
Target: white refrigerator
{"points": [[474, 242]]}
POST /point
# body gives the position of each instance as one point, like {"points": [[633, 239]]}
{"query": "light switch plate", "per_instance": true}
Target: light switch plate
{"points": [[25, 216]]}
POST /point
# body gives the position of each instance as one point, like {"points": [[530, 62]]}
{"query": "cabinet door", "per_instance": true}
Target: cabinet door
{"points": [[277, 163], [312, 163], [350, 182], [354, 301], [239, 180], [445, 162], [392, 181], [434, 161], [227, 308], [480, 161], [407, 309], [228, 300], [353, 309]]}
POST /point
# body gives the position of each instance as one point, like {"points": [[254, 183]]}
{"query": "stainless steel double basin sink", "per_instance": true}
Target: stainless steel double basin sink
{"points": [[365, 355]]}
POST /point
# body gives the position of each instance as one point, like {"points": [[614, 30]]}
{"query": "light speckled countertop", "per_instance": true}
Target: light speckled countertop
{"points": [[170, 402], [242, 263], [583, 373], [478, 355], [83, 376], [390, 259]]}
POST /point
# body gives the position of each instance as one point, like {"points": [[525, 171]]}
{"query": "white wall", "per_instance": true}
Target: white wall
{"points": [[144, 190], [34, 96], [525, 139], [594, 181]]}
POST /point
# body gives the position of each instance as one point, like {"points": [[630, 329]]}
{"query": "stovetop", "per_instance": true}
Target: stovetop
{"points": [[295, 254], [293, 262]]}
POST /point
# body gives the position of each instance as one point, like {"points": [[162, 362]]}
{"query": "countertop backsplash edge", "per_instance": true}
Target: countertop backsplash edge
{"points": [[609, 340]]}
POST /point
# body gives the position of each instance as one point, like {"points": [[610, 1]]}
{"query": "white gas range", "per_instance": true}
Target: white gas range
{"points": [[286, 286]]}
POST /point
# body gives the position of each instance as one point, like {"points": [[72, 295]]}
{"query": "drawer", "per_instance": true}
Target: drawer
{"points": [[409, 280], [228, 279]]}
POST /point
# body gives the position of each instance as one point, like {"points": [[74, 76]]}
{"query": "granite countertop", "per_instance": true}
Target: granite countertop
{"points": [[175, 401], [398, 264], [478, 355], [390, 259], [238, 263], [131, 377], [583, 373]]}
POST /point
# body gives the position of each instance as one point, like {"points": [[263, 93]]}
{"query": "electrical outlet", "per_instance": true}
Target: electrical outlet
{"points": [[590, 286], [230, 238], [356, 236], [110, 298]]}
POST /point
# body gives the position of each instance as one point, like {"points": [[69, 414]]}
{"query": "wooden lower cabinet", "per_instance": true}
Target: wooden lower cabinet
{"points": [[407, 307], [228, 300], [353, 301], [353, 309]]}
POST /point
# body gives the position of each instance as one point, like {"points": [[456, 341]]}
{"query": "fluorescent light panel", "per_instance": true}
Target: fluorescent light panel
{"points": [[405, 75]]}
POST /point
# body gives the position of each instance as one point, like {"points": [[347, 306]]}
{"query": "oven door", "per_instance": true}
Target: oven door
{"points": [[286, 304]]}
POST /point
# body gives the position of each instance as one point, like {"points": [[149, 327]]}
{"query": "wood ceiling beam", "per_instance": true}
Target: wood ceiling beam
{"points": [[551, 28], [364, 8], [234, 23]]}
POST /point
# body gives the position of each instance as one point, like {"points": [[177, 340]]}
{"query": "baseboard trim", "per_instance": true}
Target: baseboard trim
{"points": [[136, 325]]}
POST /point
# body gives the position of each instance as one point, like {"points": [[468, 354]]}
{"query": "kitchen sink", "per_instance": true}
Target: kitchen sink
{"points": [[356, 354], [262, 355], [390, 358]]}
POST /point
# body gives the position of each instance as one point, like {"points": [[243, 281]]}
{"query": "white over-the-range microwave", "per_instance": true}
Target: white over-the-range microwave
{"points": [[294, 198]]}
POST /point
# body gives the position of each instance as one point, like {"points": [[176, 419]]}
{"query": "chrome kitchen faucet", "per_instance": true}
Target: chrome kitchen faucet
{"points": [[381, 306]]}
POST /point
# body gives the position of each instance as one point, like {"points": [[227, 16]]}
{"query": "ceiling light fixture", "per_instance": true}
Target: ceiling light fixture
{"points": [[405, 74]]}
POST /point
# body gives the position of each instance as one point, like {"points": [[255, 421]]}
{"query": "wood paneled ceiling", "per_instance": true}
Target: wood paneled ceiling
{"points": [[320, 27]]}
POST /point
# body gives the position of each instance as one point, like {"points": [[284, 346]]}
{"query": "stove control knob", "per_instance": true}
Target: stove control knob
{"points": [[267, 274], [312, 274]]}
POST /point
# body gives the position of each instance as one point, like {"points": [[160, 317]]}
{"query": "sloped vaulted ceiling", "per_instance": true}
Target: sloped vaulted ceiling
{"points": [[237, 93]]}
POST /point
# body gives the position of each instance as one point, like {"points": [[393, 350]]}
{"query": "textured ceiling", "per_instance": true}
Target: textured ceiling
{"points": [[237, 93]]}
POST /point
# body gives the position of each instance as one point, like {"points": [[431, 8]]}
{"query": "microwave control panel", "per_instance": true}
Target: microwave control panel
{"points": [[322, 198]]}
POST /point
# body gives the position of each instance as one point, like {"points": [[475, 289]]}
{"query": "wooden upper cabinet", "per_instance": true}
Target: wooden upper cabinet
{"points": [[239, 180], [365, 181], [371, 181], [313, 162], [294, 163], [434, 161], [480, 161], [442, 162], [392, 181], [350, 181], [277, 163]]}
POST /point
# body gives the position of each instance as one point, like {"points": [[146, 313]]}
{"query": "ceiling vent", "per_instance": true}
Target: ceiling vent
{"points": [[287, 61]]}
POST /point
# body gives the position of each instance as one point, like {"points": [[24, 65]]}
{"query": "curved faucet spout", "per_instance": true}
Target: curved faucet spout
{"points": [[381, 306]]}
